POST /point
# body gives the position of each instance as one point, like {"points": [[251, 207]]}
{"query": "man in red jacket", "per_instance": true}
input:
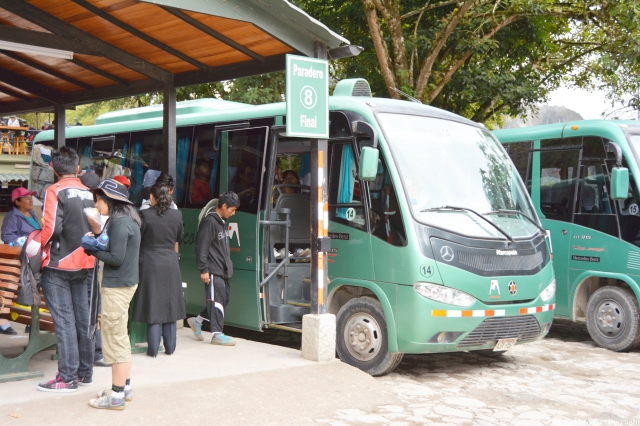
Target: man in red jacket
{"points": [[65, 271]]}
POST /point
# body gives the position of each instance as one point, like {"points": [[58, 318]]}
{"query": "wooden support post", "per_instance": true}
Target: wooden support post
{"points": [[169, 131], [59, 127]]}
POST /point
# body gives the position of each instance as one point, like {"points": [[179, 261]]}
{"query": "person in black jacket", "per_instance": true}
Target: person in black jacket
{"points": [[159, 301], [214, 262]]}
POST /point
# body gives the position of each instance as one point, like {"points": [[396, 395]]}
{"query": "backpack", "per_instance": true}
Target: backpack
{"points": [[30, 270]]}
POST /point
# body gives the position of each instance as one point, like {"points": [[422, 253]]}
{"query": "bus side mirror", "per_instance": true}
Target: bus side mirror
{"points": [[368, 163], [619, 183]]}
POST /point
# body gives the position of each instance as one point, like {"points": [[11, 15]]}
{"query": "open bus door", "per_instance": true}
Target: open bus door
{"points": [[242, 156]]}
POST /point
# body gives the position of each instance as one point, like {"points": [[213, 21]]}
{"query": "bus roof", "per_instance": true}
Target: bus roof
{"points": [[558, 130], [204, 111]]}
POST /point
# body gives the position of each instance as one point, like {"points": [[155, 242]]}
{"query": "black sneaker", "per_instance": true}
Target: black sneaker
{"points": [[85, 381], [57, 385], [8, 331]]}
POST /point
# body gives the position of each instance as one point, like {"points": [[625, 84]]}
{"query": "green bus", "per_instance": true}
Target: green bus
{"points": [[576, 174], [442, 251]]}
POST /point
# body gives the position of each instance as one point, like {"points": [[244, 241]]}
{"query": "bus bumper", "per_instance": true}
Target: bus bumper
{"points": [[451, 329]]}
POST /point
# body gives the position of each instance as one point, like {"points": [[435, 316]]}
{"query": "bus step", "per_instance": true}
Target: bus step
{"points": [[296, 327], [301, 304]]}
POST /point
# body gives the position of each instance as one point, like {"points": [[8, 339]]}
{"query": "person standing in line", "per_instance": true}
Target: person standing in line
{"points": [[159, 301], [91, 181], [214, 262], [65, 271], [119, 283]]}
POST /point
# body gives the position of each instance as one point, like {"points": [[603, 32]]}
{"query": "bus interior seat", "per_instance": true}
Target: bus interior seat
{"points": [[588, 199], [300, 230], [562, 193]]}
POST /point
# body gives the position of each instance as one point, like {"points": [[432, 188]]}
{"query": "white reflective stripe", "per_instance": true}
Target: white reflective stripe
{"points": [[211, 287], [320, 278], [478, 313], [499, 313], [219, 307], [320, 211], [320, 176], [454, 314]]}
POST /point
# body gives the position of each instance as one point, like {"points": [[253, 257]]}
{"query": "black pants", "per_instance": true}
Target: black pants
{"points": [[168, 332], [217, 294]]}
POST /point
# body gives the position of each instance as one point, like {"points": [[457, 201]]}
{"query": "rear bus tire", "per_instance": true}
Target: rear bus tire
{"points": [[362, 339], [613, 319]]}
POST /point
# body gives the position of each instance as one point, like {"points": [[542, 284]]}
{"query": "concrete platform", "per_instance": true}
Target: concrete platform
{"points": [[247, 384]]}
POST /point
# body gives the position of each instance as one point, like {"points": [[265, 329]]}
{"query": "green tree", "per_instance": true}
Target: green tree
{"points": [[479, 57]]}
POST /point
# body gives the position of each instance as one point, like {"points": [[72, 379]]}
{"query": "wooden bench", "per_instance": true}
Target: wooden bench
{"points": [[18, 368]]}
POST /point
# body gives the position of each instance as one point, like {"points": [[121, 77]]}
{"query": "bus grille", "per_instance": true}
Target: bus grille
{"points": [[492, 329], [633, 261], [501, 263]]}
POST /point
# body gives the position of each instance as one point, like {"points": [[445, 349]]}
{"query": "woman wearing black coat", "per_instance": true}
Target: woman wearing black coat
{"points": [[159, 301]]}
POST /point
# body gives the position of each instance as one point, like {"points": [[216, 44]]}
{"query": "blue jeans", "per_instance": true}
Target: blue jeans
{"points": [[66, 295]]}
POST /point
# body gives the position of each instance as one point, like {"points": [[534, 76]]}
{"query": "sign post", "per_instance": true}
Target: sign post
{"points": [[308, 117]]}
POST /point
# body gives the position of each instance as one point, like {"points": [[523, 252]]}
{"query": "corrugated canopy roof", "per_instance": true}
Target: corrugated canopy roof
{"points": [[127, 47]]}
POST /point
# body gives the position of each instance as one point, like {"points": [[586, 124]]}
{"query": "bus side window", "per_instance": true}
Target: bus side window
{"points": [[205, 170], [345, 198], [386, 218], [520, 155], [558, 173]]}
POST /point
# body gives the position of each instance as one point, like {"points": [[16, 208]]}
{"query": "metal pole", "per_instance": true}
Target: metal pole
{"points": [[319, 214], [169, 131], [59, 127], [319, 226]]}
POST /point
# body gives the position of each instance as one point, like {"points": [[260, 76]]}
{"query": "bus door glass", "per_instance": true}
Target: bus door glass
{"points": [[348, 224], [242, 154], [557, 179]]}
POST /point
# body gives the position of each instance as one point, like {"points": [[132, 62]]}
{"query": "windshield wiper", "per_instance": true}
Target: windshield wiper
{"points": [[521, 214], [435, 209]]}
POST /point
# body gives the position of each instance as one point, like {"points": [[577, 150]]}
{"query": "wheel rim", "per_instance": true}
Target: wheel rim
{"points": [[610, 318], [363, 336]]}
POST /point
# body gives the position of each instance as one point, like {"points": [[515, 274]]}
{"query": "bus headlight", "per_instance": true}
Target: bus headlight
{"points": [[549, 292], [443, 294]]}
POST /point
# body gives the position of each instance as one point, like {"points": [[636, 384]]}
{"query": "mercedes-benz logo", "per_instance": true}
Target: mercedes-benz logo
{"points": [[447, 253]]}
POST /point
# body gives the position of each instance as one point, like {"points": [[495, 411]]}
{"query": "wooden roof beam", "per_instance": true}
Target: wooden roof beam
{"points": [[160, 45], [23, 107], [45, 70], [100, 47], [14, 93], [213, 33], [97, 70], [30, 86], [42, 39]]}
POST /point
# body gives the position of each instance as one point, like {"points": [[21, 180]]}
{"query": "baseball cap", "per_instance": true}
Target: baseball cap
{"points": [[123, 180], [114, 190], [21, 192], [90, 180]]}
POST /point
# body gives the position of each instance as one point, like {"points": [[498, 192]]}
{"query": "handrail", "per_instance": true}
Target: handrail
{"points": [[287, 224]]}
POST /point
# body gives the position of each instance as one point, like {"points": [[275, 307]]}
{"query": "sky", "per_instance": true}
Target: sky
{"points": [[588, 104]]}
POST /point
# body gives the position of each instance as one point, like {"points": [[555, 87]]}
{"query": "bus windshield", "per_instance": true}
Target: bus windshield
{"points": [[446, 163]]}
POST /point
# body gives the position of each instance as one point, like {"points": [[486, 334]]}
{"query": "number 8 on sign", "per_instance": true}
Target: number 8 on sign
{"points": [[308, 97]]}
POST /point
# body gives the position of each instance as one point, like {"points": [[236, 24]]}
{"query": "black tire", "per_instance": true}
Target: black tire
{"points": [[361, 337], [613, 319]]}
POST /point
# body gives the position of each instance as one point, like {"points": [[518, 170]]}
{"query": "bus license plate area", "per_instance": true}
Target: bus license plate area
{"points": [[505, 344]]}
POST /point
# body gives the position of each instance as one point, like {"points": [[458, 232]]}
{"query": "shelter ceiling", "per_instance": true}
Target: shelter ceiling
{"points": [[126, 47]]}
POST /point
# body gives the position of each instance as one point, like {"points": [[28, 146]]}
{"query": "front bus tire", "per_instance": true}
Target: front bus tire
{"points": [[362, 339], [613, 319]]}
